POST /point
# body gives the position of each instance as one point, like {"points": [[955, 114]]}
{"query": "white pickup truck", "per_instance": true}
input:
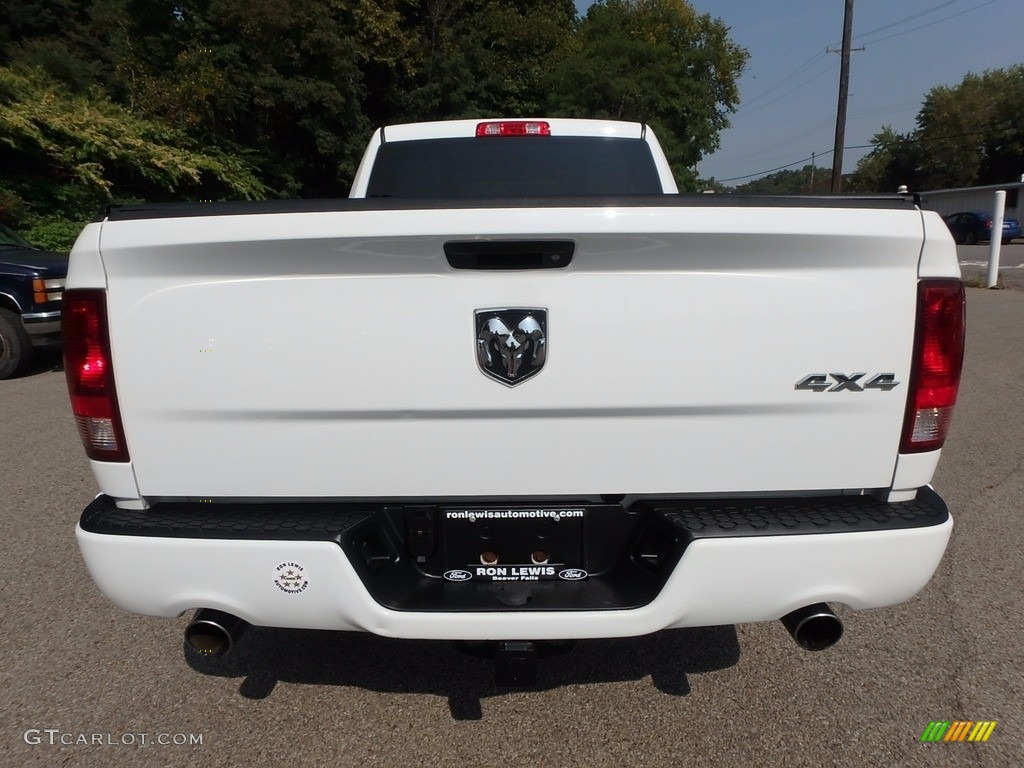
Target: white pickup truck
{"points": [[515, 389]]}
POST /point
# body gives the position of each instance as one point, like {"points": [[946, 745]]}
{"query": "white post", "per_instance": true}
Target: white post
{"points": [[996, 241]]}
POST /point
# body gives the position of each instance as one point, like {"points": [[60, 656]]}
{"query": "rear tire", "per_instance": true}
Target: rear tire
{"points": [[15, 345], [970, 239]]}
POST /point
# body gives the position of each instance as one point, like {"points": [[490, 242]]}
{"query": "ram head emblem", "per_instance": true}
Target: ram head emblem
{"points": [[511, 344]]}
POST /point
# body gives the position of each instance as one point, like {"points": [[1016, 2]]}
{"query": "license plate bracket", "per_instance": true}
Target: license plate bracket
{"points": [[502, 544]]}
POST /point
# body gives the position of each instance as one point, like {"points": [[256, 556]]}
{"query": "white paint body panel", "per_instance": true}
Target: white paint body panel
{"points": [[723, 581], [675, 340]]}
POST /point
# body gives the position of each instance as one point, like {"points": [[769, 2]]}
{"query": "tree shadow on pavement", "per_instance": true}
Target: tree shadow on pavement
{"points": [[264, 657]]}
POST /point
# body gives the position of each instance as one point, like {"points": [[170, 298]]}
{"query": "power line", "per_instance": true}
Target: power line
{"points": [[904, 20], [889, 109], [828, 122], [831, 67], [929, 24], [967, 135], [780, 168], [907, 140], [819, 56], [791, 76], [744, 108]]}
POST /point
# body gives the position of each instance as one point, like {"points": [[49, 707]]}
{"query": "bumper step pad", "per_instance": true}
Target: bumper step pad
{"points": [[404, 552]]}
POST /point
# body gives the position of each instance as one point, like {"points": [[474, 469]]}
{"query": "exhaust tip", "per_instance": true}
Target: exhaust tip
{"points": [[814, 627], [213, 633]]}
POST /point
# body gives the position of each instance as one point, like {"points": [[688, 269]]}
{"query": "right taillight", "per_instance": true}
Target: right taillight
{"points": [[937, 363], [90, 374]]}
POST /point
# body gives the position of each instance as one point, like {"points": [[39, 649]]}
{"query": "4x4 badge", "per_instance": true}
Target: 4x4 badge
{"points": [[511, 343]]}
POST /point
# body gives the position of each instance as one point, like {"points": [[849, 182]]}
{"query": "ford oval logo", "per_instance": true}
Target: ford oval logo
{"points": [[458, 575], [572, 574]]}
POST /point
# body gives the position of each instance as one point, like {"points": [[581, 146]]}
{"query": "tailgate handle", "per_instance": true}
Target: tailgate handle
{"points": [[509, 254]]}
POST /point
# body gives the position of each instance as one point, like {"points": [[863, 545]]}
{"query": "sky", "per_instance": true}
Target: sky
{"points": [[790, 88]]}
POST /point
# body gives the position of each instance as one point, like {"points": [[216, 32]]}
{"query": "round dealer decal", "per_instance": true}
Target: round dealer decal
{"points": [[291, 578]]}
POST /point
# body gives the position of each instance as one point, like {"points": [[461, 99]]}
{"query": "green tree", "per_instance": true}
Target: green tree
{"points": [[971, 133], [66, 155], [893, 161], [209, 98], [474, 58], [807, 180], [30, 20], [280, 80], [49, 34], [658, 61]]}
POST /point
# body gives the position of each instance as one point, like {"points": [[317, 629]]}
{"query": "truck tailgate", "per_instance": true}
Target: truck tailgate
{"points": [[333, 354]]}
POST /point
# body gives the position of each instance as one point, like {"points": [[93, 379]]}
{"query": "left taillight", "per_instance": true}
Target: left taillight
{"points": [[90, 374]]}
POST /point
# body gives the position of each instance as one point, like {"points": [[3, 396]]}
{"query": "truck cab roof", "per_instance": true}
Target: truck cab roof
{"points": [[500, 157]]}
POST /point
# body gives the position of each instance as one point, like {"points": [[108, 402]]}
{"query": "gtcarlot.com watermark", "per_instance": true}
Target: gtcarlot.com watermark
{"points": [[55, 737]]}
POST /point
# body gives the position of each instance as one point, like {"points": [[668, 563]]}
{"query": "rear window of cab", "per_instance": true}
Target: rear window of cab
{"points": [[514, 166]]}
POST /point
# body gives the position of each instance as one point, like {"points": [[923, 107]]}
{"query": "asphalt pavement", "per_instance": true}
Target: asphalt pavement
{"points": [[974, 260], [83, 683]]}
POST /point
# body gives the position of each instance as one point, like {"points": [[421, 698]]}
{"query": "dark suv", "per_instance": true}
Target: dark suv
{"points": [[31, 288]]}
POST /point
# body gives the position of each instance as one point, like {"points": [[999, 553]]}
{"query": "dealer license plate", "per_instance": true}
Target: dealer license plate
{"points": [[500, 544]]}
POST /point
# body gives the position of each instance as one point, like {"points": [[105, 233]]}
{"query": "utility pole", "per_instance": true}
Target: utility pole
{"points": [[844, 90], [814, 155]]}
